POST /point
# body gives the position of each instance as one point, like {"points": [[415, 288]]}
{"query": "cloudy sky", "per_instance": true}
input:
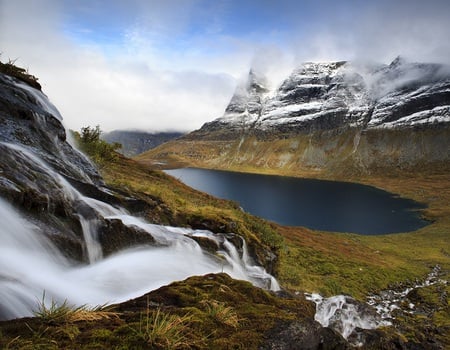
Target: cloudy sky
{"points": [[162, 65]]}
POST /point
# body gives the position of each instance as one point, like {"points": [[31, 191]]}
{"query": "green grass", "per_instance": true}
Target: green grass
{"points": [[63, 312], [164, 330]]}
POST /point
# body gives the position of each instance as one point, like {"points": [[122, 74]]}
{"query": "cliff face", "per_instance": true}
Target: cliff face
{"points": [[327, 116]]}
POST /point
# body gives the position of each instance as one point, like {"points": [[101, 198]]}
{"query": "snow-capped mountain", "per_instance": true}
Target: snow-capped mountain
{"points": [[335, 118], [323, 96]]}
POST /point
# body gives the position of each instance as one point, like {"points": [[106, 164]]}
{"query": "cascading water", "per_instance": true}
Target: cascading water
{"points": [[36, 164], [344, 314], [32, 267]]}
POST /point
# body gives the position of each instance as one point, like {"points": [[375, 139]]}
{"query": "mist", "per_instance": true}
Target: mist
{"points": [[158, 66]]}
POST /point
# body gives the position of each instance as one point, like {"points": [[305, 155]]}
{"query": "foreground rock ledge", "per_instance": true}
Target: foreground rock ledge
{"points": [[265, 321]]}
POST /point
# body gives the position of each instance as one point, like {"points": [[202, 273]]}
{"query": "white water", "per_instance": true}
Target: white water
{"points": [[30, 266], [40, 98], [389, 300], [339, 313], [343, 315]]}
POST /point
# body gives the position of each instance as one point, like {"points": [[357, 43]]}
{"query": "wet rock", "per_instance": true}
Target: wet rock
{"points": [[207, 244], [28, 118], [114, 236], [376, 339], [306, 334]]}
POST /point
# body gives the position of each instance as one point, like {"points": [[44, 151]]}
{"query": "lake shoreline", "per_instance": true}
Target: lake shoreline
{"points": [[401, 183], [318, 204]]}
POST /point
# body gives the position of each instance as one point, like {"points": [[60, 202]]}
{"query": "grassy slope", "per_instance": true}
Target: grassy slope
{"points": [[308, 260], [321, 261], [180, 205]]}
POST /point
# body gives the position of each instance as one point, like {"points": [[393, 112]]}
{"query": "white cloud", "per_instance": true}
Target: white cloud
{"points": [[136, 87], [174, 65], [380, 31]]}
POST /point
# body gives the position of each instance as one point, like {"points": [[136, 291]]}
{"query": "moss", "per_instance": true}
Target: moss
{"points": [[256, 310]]}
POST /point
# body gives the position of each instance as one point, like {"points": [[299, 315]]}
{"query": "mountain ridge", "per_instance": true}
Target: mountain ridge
{"points": [[135, 142], [364, 96], [328, 116]]}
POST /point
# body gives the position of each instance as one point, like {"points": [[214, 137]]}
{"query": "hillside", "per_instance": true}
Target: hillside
{"points": [[332, 119], [136, 142]]}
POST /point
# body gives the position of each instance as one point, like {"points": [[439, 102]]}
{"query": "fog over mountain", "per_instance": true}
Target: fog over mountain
{"points": [[159, 65]]}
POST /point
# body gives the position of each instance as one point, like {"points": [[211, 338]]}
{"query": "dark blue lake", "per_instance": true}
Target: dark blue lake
{"points": [[317, 204]]}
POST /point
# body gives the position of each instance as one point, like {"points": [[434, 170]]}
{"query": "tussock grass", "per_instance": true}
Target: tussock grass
{"points": [[164, 330], [65, 313], [221, 313]]}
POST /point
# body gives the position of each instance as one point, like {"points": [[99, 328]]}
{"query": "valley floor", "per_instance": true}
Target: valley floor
{"points": [[333, 263]]}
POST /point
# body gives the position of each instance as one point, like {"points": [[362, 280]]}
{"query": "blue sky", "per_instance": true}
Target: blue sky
{"points": [[174, 64]]}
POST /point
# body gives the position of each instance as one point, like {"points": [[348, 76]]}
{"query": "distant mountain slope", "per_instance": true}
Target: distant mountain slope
{"points": [[135, 142], [328, 116]]}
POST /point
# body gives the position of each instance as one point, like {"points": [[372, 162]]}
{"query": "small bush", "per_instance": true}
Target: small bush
{"points": [[100, 151]]}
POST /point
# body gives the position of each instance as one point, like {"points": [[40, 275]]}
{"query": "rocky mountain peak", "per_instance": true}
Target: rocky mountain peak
{"points": [[330, 95], [248, 99], [398, 61], [256, 82]]}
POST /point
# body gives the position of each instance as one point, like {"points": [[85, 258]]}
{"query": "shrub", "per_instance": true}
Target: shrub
{"points": [[100, 151]]}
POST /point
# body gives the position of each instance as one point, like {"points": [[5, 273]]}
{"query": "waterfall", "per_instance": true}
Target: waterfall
{"points": [[32, 267], [34, 160]]}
